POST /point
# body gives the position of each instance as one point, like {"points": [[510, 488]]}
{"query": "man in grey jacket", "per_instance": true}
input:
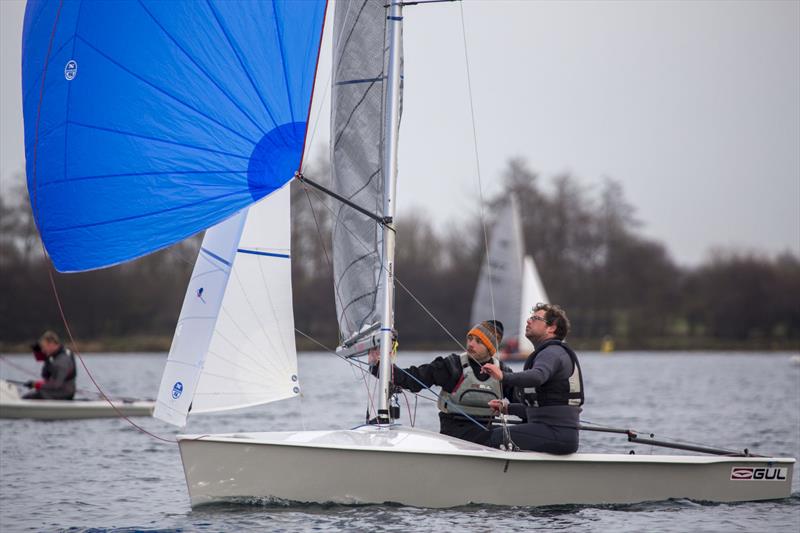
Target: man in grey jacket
{"points": [[58, 372], [550, 384]]}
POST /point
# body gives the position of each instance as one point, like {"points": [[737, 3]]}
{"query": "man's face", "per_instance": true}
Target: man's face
{"points": [[536, 328], [476, 349], [49, 347]]}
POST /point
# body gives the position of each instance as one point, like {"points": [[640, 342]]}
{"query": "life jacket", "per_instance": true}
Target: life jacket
{"points": [[71, 375], [555, 391], [470, 395], [74, 372]]}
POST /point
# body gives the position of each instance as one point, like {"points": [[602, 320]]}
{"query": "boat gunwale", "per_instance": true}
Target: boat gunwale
{"points": [[258, 438]]}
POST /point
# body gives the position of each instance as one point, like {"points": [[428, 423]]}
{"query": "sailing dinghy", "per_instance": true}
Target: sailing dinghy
{"points": [[13, 406], [148, 121], [509, 283]]}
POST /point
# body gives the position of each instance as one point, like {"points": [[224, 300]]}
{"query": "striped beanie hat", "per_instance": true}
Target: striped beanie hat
{"points": [[490, 333]]}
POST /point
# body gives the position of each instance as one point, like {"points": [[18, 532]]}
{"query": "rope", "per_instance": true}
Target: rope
{"points": [[652, 435], [397, 280], [438, 396], [508, 443], [348, 361], [477, 159], [83, 363]]}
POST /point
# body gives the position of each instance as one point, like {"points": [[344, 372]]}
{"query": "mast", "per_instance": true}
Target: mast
{"points": [[391, 126]]}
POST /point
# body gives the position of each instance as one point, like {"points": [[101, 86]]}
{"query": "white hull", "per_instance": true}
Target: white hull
{"points": [[426, 469], [72, 409], [13, 406]]}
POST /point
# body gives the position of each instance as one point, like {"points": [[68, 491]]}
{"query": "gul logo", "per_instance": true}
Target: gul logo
{"points": [[71, 70], [177, 390], [740, 473]]}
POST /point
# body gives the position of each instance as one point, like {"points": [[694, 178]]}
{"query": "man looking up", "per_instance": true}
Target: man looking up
{"points": [[551, 386]]}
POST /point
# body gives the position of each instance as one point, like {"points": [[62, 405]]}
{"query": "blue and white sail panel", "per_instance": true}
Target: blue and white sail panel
{"points": [[234, 343], [195, 327], [252, 358], [148, 121]]}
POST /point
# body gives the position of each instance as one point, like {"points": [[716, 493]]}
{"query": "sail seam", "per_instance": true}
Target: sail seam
{"points": [[134, 217], [165, 141], [202, 70], [242, 65], [215, 256], [267, 254], [283, 60], [166, 93], [136, 174]]}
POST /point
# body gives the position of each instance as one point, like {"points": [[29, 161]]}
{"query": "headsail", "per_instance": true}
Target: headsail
{"points": [[532, 293], [148, 121], [234, 342], [360, 61], [498, 294]]}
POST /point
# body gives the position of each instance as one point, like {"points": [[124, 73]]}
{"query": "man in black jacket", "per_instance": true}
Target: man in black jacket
{"points": [[465, 390], [551, 387], [58, 372]]}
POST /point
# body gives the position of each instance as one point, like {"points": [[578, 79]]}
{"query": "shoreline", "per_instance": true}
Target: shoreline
{"points": [[159, 344]]}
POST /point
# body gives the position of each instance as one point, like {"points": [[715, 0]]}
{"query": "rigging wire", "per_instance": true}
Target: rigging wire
{"points": [[345, 359], [397, 280], [477, 159]]}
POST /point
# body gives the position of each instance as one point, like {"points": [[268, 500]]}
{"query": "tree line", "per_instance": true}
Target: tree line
{"points": [[586, 242]]}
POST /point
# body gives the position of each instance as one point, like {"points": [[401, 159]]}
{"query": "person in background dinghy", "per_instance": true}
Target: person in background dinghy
{"points": [[550, 384], [58, 372], [465, 390]]}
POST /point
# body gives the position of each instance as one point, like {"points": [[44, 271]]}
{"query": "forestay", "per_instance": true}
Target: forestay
{"points": [[234, 343], [360, 60], [148, 121]]}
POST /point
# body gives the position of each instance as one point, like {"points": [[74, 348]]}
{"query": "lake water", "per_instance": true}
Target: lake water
{"points": [[105, 475]]}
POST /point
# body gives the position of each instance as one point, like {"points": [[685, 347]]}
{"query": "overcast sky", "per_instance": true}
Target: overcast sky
{"points": [[693, 106]]}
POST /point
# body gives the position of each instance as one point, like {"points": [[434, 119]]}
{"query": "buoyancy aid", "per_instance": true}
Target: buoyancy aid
{"points": [[49, 361], [555, 391], [471, 395]]}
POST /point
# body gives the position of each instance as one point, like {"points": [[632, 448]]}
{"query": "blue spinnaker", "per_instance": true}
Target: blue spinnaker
{"points": [[147, 121]]}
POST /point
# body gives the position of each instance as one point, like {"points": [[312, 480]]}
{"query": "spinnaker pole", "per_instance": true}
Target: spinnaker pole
{"points": [[391, 124]]}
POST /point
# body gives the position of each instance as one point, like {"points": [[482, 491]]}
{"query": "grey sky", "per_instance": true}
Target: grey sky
{"points": [[693, 106]]}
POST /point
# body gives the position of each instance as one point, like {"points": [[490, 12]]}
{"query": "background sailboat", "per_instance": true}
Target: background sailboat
{"points": [[149, 121], [508, 283]]}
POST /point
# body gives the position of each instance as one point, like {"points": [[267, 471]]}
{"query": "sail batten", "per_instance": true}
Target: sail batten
{"points": [[234, 343], [361, 58]]}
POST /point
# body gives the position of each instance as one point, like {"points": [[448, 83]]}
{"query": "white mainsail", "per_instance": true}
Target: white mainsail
{"points": [[234, 342], [532, 293], [509, 284]]}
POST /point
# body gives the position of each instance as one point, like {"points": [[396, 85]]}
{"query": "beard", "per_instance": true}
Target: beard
{"points": [[536, 338]]}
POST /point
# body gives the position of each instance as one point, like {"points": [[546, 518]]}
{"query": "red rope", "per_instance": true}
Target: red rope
{"points": [[313, 86], [83, 363], [44, 251]]}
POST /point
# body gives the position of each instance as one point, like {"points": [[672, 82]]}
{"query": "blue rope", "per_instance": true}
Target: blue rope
{"points": [[438, 396]]}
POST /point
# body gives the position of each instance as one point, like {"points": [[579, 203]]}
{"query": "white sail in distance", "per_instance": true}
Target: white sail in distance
{"points": [[532, 293], [234, 343], [498, 295]]}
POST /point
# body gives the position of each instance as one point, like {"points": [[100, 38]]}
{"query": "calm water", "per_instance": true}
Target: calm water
{"points": [[106, 475]]}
